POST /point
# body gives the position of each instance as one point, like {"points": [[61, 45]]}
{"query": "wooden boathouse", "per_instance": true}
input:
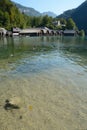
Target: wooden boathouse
{"points": [[43, 31], [69, 33], [3, 31], [30, 32]]}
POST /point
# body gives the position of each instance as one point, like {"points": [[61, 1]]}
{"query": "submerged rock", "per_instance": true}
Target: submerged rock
{"points": [[9, 106], [20, 117]]}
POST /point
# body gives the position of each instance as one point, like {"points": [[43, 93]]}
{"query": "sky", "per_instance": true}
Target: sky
{"points": [[56, 6]]}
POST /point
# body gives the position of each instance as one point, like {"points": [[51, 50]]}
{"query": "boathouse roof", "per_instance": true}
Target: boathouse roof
{"points": [[69, 31], [30, 30], [3, 30]]}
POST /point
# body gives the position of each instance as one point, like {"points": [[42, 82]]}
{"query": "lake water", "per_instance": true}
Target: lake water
{"points": [[47, 78]]}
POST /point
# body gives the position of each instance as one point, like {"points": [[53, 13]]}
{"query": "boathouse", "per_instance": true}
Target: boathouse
{"points": [[46, 31], [15, 31], [69, 33], [3, 31], [30, 32], [42, 31]]}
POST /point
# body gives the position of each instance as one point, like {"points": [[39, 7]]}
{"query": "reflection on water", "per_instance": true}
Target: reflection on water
{"points": [[42, 51]]}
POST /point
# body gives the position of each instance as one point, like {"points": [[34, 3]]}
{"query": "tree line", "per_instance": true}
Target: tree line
{"points": [[10, 17]]}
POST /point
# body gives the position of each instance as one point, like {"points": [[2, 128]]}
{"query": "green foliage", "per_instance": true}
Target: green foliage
{"points": [[10, 15], [63, 21], [82, 33], [70, 24]]}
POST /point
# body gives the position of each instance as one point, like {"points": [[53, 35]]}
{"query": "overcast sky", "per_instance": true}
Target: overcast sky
{"points": [[56, 6]]}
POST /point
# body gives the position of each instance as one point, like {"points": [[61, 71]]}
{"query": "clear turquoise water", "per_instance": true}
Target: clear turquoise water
{"points": [[33, 54], [48, 73]]}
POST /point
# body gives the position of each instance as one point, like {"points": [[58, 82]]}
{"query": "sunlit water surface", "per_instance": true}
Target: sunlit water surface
{"points": [[47, 78]]}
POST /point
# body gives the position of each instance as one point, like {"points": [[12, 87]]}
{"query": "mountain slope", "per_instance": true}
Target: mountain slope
{"points": [[27, 10], [66, 14], [32, 12], [78, 15]]}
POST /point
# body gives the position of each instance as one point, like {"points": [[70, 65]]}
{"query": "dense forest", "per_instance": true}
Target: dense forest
{"points": [[78, 15], [10, 17]]}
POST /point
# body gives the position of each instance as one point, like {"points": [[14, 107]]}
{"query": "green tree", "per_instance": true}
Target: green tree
{"points": [[1, 18], [45, 20], [70, 24], [82, 33], [10, 15], [63, 21], [6, 20]]}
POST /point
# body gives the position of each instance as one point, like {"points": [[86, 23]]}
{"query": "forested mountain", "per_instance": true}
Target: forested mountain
{"points": [[32, 12], [78, 15], [67, 14], [27, 10]]}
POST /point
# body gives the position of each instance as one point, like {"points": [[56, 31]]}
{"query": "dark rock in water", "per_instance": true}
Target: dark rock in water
{"points": [[9, 106], [7, 101], [20, 117]]}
